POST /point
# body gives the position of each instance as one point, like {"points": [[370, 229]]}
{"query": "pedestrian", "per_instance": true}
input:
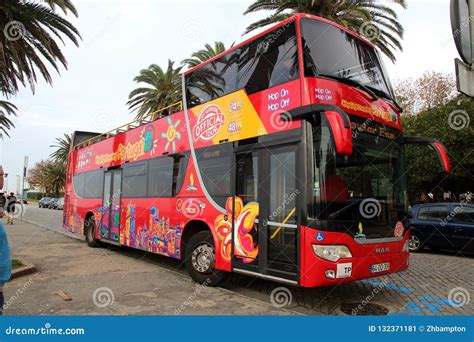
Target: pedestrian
{"points": [[11, 203], [5, 256]]}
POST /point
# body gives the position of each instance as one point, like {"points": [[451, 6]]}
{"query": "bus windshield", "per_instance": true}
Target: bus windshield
{"points": [[363, 194], [332, 52]]}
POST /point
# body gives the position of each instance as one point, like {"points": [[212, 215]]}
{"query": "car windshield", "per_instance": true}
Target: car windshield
{"points": [[331, 51], [364, 193]]}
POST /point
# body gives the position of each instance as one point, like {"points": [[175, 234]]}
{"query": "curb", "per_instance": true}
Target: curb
{"points": [[23, 271]]}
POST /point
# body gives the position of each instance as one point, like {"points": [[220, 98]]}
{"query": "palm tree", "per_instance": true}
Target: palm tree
{"points": [[375, 20], [30, 41], [203, 55], [56, 176], [162, 90], [61, 145], [6, 109]]}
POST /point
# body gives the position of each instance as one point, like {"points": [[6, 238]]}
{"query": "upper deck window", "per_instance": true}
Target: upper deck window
{"points": [[331, 51], [260, 64]]}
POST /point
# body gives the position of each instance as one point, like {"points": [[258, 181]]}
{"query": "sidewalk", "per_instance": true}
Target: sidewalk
{"points": [[110, 282]]}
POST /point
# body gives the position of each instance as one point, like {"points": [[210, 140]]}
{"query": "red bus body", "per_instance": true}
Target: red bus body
{"points": [[162, 225]]}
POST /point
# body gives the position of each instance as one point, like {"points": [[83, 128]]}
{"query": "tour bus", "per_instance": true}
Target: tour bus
{"points": [[284, 161]]}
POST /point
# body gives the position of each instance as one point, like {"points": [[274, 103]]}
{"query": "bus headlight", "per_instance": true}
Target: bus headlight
{"points": [[332, 253]]}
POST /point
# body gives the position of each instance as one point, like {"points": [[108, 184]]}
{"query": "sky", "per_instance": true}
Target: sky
{"points": [[121, 37]]}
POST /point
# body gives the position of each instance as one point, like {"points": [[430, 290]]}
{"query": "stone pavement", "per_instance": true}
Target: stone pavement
{"points": [[422, 290]]}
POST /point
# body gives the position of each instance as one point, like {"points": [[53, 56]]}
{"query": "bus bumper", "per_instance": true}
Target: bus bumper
{"points": [[368, 260]]}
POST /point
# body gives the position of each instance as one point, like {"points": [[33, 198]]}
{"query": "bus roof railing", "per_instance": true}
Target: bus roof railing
{"points": [[132, 124]]}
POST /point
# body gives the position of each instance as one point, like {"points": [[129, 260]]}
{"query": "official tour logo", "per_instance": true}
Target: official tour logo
{"points": [[209, 122]]}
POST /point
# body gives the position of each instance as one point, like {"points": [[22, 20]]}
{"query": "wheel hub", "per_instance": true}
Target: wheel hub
{"points": [[413, 243], [203, 258]]}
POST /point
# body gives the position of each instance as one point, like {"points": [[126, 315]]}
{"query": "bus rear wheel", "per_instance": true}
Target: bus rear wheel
{"points": [[89, 227], [200, 260]]}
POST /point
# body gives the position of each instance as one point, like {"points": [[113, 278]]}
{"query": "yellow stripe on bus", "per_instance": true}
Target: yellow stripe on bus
{"points": [[284, 221]]}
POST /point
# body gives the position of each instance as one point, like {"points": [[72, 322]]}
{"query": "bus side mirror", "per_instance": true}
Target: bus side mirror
{"points": [[337, 118], [439, 148], [341, 131]]}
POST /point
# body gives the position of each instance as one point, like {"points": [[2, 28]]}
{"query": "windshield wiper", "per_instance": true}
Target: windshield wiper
{"points": [[354, 83], [387, 96]]}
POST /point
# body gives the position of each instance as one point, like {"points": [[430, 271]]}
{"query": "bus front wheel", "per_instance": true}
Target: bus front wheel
{"points": [[89, 227], [200, 260]]}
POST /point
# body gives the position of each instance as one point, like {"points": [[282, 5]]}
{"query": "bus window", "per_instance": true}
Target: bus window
{"points": [[93, 184], [213, 80], [215, 164], [269, 61], [78, 182], [134, 180], [166, 175]]}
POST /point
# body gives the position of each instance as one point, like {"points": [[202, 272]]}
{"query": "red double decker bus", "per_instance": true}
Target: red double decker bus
{"points": [[285, 161]]}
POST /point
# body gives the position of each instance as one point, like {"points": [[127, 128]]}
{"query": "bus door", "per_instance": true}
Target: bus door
{"points": [[266, 182], [109, 226]]}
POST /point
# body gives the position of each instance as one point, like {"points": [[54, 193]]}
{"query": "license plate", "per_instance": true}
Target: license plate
{"points": [[344, 270], [380, 267]]}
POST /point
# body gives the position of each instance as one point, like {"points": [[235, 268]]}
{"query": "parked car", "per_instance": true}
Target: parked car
{"points": [[52, 203], [59, 205], [44, 202], [448, 226], [21, 200]]}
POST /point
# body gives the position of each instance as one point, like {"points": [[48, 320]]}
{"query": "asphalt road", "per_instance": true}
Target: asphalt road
{"points": [[422, 290]]}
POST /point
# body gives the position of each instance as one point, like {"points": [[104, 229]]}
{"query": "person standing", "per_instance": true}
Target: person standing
{"points": [[5, 256], [11, 203]]}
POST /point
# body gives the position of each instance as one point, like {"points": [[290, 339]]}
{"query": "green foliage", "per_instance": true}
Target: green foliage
{"points": [[6, 109], [30, 33], [35, 196], [62, 146], [31, 44], [203, 55], [162, 88], [424, 170], [376, 20]]}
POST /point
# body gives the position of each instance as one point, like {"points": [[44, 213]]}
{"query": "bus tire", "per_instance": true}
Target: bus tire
{"points": [[200, 260], [89, 230]]}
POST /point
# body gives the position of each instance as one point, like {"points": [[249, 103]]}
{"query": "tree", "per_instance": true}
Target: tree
{"points": [[62, 146], [432, 89], [203, 55], [56, 176], [164, 89], [451, 124], [6, 109], [37, 175], [373, 19], [29, 43]]}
